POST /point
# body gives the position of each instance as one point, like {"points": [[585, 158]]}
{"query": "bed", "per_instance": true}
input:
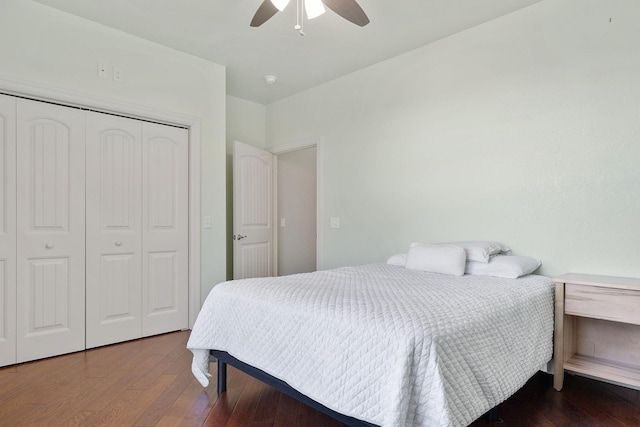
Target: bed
{"points": [[383, 344]]}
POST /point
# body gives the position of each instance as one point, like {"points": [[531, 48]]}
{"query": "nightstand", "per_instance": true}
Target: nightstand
{"points": [[597, 328]]}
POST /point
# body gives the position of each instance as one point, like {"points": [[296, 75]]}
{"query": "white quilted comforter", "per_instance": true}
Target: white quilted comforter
{"points": [[387, 345]]}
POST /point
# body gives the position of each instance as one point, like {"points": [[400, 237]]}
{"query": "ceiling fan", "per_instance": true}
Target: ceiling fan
{"points": [[348, 9]]}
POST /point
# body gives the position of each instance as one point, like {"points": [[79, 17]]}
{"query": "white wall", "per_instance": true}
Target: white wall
{"points": [[525, 129], [43, 46], [246, 122]]}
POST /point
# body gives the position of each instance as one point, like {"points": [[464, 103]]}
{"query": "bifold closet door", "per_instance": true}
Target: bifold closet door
{"points": [[7, 230], [165, 225], [137, 229], [50, 230], [114, 234]]}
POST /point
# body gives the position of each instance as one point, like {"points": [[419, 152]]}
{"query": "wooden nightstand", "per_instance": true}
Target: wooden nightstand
{"points": [[597, 328]]}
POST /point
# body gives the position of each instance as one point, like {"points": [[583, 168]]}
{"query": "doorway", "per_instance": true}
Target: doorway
{"points": [[277, 210], [297, 220]]}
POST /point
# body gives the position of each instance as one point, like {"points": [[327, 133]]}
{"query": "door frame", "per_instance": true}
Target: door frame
{"points": [[39, 92], [286, 148]]}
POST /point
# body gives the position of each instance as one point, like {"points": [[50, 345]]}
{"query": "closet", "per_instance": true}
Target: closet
{"points": [[7, 230], [94, 229]]}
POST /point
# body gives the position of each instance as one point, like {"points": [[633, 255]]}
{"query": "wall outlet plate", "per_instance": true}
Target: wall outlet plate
{"points": [[117, 74]]}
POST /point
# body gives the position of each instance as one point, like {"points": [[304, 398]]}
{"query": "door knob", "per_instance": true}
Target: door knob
{"points": [[240, 237], [118, 243], [49, 246]]}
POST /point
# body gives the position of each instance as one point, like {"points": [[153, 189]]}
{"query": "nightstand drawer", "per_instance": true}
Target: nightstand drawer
{"points": [[620, 305]]}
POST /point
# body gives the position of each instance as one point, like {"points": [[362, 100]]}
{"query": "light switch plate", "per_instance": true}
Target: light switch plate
{"points": [[103, 71], [335, 222]]}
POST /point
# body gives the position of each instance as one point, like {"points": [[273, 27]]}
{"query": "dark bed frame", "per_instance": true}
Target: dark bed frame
{"points": [[225, 359]]}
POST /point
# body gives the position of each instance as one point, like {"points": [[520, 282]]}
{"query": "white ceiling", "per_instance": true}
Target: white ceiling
{"points": [[218, 30]]}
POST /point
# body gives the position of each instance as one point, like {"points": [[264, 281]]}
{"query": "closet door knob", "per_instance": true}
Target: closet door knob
{"points": [[118, 243], [49, 246]]}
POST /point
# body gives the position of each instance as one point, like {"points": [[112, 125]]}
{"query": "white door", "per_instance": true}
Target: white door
{"points": [[7, 230], [114, 229], [50, 230], [165, 228], [252, 212]]}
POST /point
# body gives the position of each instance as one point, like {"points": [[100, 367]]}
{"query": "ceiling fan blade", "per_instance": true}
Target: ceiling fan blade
{"points": [[264, 13], [349, 10]]}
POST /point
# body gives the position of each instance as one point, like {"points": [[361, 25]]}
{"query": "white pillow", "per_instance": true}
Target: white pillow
{"points": [[509, 266], [479, 250], [482, 250], [443, 259], [398, 259]]}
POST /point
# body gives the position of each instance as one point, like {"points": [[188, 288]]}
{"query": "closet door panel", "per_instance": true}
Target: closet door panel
{"points": [[114, 204], [50, 230], [7, 230], [165, 225]]}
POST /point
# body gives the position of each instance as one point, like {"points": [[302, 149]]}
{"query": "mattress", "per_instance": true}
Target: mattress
{"points": [[380, 343]]}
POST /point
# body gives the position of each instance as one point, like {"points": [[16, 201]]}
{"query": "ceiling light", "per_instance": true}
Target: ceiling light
{"points": [[280, 4], [270, 79], [348, 9], [314, 8]]}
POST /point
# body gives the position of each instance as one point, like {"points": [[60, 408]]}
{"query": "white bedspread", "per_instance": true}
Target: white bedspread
{"points": [[384, 344]]}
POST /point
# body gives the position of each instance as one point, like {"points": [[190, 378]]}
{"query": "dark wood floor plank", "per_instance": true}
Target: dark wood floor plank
{"points": [[148, 382], [309, 417], [287, 411], [15, 378], [538, 404], [266, 407], [160, 359], [222, 410], [42, 393], [67, 405], [127, 362], [107, 390], [80, 418], [244, 410], [130, 404], [17, 381], [98, 373], [159, 407], [181, 412], [143, 400], [200, 409], [600, 402]]}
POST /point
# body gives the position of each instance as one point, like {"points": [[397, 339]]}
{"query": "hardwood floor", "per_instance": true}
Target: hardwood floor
{"points": [[148, 382]]}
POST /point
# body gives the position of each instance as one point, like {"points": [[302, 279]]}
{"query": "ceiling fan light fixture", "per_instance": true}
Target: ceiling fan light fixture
{"points": [[348, 9], [314, 8], [280, 4]]}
